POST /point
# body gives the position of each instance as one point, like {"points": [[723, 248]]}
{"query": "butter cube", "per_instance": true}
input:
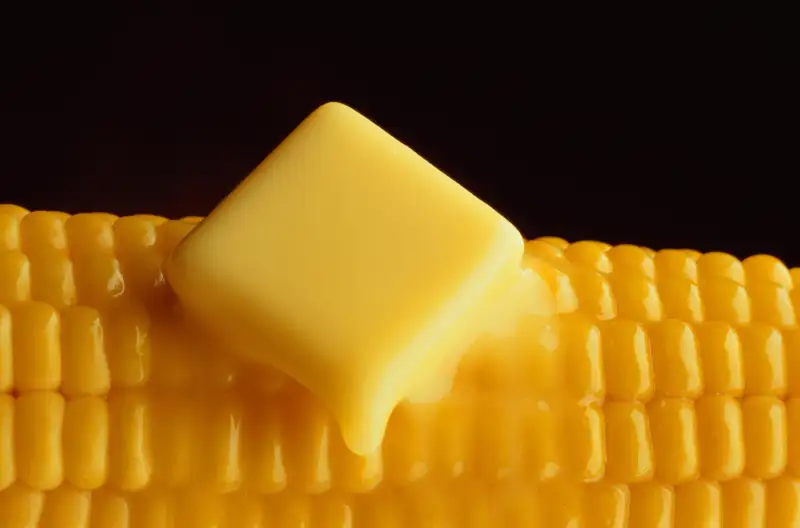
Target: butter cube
{"points": [[350, 263]]}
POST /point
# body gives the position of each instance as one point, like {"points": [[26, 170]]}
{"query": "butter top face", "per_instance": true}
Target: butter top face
{"points": [[353, 264]]}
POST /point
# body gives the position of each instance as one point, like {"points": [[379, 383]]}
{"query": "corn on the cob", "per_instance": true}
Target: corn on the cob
{"points": [[665, 394]]}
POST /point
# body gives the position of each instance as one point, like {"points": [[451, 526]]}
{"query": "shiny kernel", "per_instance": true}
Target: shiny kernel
{"points": [[333, 512], [606, 505], [648, 251], [43, 230], [53, 278], [698, 504], [581, 345], [289, 509], [66, 504], [676, 362], [200, 509], [715, 266], [680, 299], [583, 444], [721, 358], [764, 360], [170, 233], [21, 507], [130, 460], [594, 294], [783, 503], [676, 264], [380, 510], [652, 506], [744, 503], [174, 357], [307, 430], [263, 442], [90, 234], [631, 260], [99, 280], [557, 277], [673, 424], [154, 509], [428, 507], [629, 452], [560, 243], [128, 345], [15, 277], [536, 351], [692, 254], [766, 268], [772, 305], [765, 436], [222, 443], [721, 437], [590, 254], [135, 234], [9, 227], [144, 278], [501, 455], [244, 511], [637, 298], [542, 450], [539, 249], [560, 503], [476, 506], [725, 300], [406, 450], [85, 442], [38, 430], [626, 356], [36, 347], [14, 211], [83, 357], [112, 509], [177, 454], [454, 427]]}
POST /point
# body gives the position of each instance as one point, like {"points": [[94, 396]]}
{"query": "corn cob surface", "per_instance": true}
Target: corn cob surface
{"points": [[666, 393]]}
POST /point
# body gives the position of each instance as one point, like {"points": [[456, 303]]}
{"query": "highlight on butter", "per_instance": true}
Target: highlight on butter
{"points": [[353, 265]]}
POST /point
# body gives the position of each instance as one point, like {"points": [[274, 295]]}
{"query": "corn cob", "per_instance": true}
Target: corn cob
{"points": [[665, 394]]}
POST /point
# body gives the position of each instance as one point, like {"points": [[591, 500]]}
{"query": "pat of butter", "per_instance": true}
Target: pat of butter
{"points": [[350, 263]]}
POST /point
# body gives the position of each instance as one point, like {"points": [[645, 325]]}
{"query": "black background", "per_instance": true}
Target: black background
{"points": [[686, 138]]}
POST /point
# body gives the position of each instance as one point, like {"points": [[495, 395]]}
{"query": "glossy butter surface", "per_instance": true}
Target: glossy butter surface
{"points": [[349, 262], [666, 394]]}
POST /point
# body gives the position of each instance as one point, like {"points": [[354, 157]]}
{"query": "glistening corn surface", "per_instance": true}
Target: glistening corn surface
{"points": [[665, 394]]}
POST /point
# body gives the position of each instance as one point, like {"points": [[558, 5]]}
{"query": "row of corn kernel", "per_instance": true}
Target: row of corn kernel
{"points": [[227, 440], [88, 259], [93, 258], [623, 360], [84, 351], [669, 263], [672, 294], [745, 503]]}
